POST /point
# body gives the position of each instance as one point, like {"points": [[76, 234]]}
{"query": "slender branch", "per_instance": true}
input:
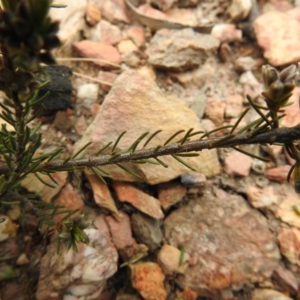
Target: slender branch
{"points": [[279, 135]]}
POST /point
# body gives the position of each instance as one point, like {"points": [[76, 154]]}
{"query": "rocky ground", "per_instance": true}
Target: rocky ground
{"points": [[227, 231]]}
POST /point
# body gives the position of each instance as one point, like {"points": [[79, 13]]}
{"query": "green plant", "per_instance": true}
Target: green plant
{"points": [[27, 36]]}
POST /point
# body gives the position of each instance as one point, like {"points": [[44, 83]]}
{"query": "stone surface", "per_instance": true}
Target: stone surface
{"points": [[114, 11], [193, 179], [148, 279], [34, 185], [78, 274], [102, 195], [108, 79], [140, 200], [92, 14], [268, 294], [277, 34], [226, 33], [120, 231], [137, 105], [137, 35], [278, 174], [292, 117], [244, 64], [237, 164], [98, 50], [169, 258], [163, 4], [286, 280], [109, 34], [289, 242], [239, 9], [228, 243], [147, 230], [179, 50], [234, 106], [265, 197], [170, 193]]}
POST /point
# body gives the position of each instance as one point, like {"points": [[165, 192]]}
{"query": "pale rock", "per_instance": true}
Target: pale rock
{"points": [[151, 12], [188, 3], [137, 35], [106, 33], [148, 279], [7, 228], [168, 258], [148, 72], [107, 79], [234, 106], [179, 50], [273, 150], [140, 200], [98, 50], [170, 193], [34, 185], [207, 125], [237, 164], [185, 16], [92, 14], [163, 4], [198, 102], [268, 294], [95, 107], [249, 78], [22, 260], [239, 9], [286, 211], [120, 231], [278, 174], [286, 280], [127, 46], [84, 272], [147, 230], [87, 94], [215, 111], [80, 125], [289, 242], [71, 20], [102, 195], [228, 243], [260, 198], [244, 64], [137, 105], [114, 11], [292, 117], [226, 33], [277, 34]]}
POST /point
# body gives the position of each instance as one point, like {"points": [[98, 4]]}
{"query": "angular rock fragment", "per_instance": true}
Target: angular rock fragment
{"points": [[179, 50], [227, 241], [268, 294], [137, 105]]}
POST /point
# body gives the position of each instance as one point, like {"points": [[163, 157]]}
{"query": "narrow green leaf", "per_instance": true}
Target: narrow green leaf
{"points": [[34, 130], [94, 170], [146, 160], [172, 137], [114, 157], [290, 173], [161, 162], [221, 141], [156, 149], [103, 148], [186, 136], [128, 171], [117, 142], [250, 154], [239, 120], [215, 130], [102, 171], [81, 150], [183, 162], [55, 154], [135, 143], [187, 154], [151, 137], [43, 181]]}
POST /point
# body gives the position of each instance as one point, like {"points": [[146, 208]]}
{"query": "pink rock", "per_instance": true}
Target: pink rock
{"points": [[98, 50], [237, 163], [234, 106], [148, 279], [120, 231], [80, 125], [292, 117], [137, 35], [151, 12], [286, 280], [289, 241], [108, 78], [268, 294], [163, 4], [278, 174], [226, 33], [266, 197], [140, 200], [239, 9], [92, 14], [277, 34], [170, 193], [114, 11], [110, 34], [214, 111]]}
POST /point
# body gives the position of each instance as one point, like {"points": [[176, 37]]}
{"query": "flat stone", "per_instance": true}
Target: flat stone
{"points": [[286, 280], [289, 242], [265, 197], [137, 35], [179, 50], [277, 34], [140, 200], [92, 14], [170, 193], [239, 9], [227, 241], [215, 111], [151, 111], [148, 279], [193, 179], [268, 294], [114, 11], [98, 50], [278, 174], [234, 106], [244, 64], [227, 33], [147, 230], [109, 34], [237, 164]]}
